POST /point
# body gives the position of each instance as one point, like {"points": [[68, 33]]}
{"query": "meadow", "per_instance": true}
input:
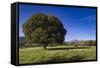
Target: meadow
{"points": [[54, 54]]}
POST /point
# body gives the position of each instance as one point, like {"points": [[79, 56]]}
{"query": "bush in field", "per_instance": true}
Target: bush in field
{"points": [[43, 29], [90, 43], [87, 43]]}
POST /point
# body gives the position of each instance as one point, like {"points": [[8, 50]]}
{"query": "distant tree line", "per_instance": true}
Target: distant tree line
{"points": [[81, 43]]}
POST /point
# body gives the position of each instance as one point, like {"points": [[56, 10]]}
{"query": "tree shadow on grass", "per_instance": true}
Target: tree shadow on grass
{"points": [[67, 48]]}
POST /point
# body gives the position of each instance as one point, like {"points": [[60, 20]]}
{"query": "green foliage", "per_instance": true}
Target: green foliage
{"points": [[43, 29]]}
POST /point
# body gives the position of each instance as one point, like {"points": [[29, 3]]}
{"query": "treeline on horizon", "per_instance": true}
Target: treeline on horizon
{"points": [[67, 43]]}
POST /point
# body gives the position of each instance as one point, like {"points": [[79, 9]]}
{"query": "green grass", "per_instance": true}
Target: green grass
{"points": [[56, 54]]}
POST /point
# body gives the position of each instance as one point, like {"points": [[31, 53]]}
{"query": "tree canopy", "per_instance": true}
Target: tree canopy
{"points": [[44, 29]]}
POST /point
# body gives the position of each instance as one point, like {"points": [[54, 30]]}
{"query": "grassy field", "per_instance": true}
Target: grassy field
{"points": [[56, 54]]}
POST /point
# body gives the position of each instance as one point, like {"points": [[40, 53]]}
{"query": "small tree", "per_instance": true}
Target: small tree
{"points": [[43, 29]]}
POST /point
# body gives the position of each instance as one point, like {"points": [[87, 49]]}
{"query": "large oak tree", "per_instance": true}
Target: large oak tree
{"points": [[43, 29]]}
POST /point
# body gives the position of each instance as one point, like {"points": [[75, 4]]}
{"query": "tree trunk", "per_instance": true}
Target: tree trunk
{"points": [[26, 45], [44, 47]]}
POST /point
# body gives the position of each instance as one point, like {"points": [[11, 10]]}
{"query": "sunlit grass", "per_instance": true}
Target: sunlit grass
{"points": [[56, 54]]}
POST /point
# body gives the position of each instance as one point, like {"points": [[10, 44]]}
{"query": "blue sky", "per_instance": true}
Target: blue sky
{"points": [[80, 23]]}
